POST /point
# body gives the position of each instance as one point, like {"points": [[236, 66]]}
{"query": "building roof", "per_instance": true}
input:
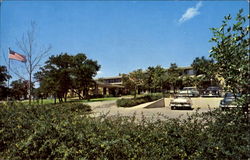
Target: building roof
{"points": [[115, 77], [108, 85], [188, 67]]}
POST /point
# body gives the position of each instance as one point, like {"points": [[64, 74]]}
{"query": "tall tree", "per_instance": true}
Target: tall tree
{"points": [[206, 69], [55, 75], [19, 89], [148, 78], [174, 74], [4, 76], [83, 70], [159, 77], [64, 72], [28, 45], [203, 65], [133, 80], [231, 53]]}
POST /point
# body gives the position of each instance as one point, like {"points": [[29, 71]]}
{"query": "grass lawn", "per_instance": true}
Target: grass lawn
{"points": [[49, 101]]}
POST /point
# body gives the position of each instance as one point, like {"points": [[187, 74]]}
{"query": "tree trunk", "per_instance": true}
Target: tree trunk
{"points": [[87, 94], [79, 95], [30, 73], [135, 92], [54, 99], [65, 97]]}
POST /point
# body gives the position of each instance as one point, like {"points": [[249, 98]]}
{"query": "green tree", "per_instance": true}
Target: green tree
{"points": [[159, 77], [4, 76], [55, 76], [47, 82], [83, 70], [203, 65], [133, 80], [173, 76], [231, 53], [64, 72], [19, 89], [189, 81], [148, 79], [206, 70]]}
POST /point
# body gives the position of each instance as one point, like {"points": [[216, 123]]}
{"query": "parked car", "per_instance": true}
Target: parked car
{"points": [[229, 101], [181, 101], [192, 91], [212, 91]]}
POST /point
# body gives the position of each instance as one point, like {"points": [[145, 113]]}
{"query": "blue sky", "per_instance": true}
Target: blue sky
{"points": [[121, 36]]}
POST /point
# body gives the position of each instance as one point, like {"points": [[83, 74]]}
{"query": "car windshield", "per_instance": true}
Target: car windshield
{"points": [[182, 94], [213, 88], [231, 95], [189, 88]]}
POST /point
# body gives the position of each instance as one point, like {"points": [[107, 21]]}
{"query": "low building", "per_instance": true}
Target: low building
{"points": [[113, 80], [111, 86], [188, 71]]}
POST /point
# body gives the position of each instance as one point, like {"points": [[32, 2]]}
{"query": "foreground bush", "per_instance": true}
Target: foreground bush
{"points": [[56, 132], [124, 102]]}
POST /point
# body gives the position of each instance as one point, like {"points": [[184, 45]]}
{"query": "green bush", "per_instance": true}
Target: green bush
{"points": [[55, 132], [124, 102], [75, 107]]}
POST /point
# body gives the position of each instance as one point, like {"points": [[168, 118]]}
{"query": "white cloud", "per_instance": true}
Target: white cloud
{"points": [[99, 72], [190, 13]]}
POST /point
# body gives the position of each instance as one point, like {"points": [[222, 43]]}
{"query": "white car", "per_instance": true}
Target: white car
{"points": [[181, 101]]}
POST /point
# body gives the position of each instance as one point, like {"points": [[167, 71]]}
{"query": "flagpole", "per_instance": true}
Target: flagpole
{"points": [[8, 78]]}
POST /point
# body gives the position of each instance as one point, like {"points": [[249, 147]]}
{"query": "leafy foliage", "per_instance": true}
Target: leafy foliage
{"points": [[125, 102], [64, 72], [83, 71], [4, 76], [64, 131], [232, 43], [133, 80], [55, 76], [173, 76], [19, 89], [203, 66], [155, 78], [231, 53]]}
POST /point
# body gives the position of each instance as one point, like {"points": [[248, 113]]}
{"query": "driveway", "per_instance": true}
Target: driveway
{"points": [[110, 108]]}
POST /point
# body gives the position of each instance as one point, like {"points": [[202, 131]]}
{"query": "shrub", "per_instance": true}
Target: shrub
{"points": [[75, 107], [96, 96], [136, 101], [55, 132]]}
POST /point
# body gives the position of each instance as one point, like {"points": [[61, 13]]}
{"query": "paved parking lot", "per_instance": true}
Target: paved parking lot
{"points": [[110, 108]]}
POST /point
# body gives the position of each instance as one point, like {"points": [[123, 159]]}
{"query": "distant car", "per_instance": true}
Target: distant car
{"points": [[212, 91], [181, 101], [192, 91], [229, 101]]}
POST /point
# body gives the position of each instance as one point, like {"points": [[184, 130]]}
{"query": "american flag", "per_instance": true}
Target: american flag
{"points": [[16, 56]]}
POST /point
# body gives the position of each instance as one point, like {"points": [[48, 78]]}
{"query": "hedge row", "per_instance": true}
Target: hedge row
{"points": [[124, 102], [56, 132]]}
